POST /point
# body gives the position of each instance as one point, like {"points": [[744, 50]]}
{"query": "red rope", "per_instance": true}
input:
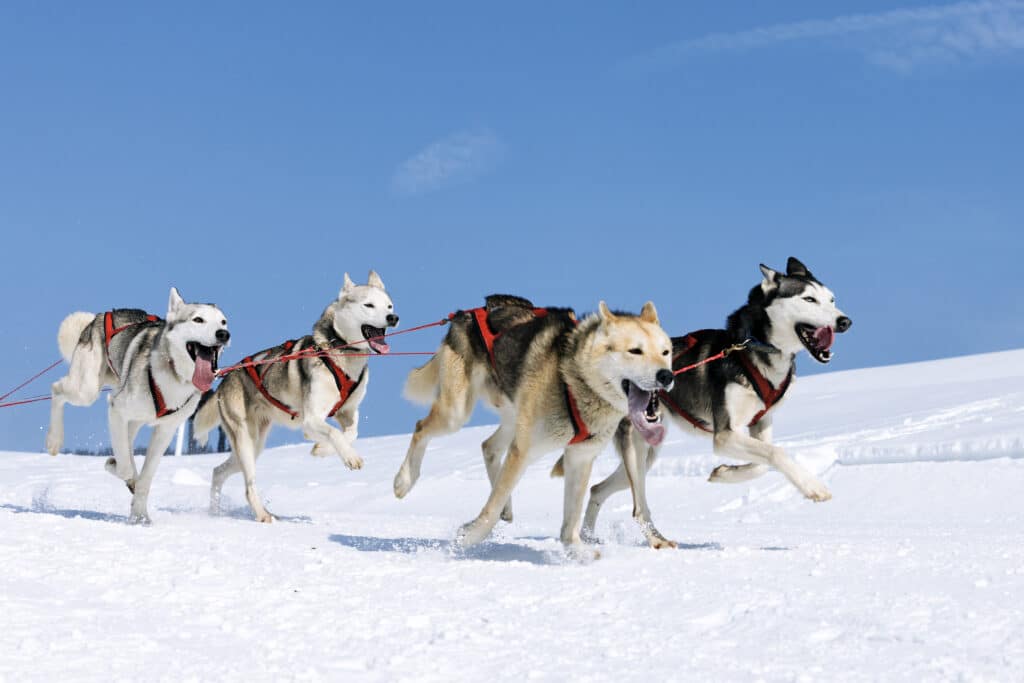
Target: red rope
{"points": [[721, 354], [33, 378], [314, 352], [311, 352]]}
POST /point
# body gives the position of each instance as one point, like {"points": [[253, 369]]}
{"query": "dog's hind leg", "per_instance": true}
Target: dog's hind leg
{"points": [[158, 443], [511, 472], [735, 474], [450, 410], [245, 452], [494, 449], [80, 387], [220, 474]]}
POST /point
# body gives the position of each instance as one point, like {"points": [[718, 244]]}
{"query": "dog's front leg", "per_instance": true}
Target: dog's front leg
{"points": [[349, 422], [122, 436], [735, 445], [635, 454], [511, 472], [577, 463], [158, 443], [323, 432], [735, 474]]}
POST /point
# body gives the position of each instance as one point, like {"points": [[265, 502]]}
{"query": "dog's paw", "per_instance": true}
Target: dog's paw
{"points": [[139, 519], [472, 533], [264, 517], [54, 440], [320, 450], [659, 542], [815, 490], [720, 474], [506, 512], [353, 462], [404, 482], [581, 553]]}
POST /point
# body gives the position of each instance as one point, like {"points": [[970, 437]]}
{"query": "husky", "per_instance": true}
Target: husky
{"points": [[159, 369], [325, 375], [554, 383], [784, 315]]}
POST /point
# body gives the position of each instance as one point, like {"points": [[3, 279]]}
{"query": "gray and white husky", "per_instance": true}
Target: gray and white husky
{"points": [[784, 314], [325, 376], [159, 370]]}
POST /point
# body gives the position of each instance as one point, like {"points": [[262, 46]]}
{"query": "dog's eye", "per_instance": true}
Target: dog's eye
{"points": [[665, 352], [810, 300], [636, 352], [223, 322], [368, 305], [198, 320]]}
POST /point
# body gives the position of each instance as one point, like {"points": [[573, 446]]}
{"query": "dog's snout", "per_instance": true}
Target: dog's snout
{"points": [[843, 323], [665, 378], [392, 319], [223, 336]]}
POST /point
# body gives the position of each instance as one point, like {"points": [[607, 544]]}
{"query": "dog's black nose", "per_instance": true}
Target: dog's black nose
{"points": [[843, 323], [223, 336], [392, 319], [665, 378]]}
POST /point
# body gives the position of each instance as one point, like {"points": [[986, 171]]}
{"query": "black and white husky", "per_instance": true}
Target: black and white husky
{"points": [[732, 399], [158, 369]]}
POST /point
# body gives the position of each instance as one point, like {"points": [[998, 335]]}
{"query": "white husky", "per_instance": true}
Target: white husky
{"points": [[158, 368]]}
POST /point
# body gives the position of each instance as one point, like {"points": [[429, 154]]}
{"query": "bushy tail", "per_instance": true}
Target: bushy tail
{"points": [[422, 383], [559, 469], [71, 331], [206, 418]]}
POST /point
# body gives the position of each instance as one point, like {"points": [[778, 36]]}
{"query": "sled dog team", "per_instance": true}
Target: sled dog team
{"points": [[556, 382]]}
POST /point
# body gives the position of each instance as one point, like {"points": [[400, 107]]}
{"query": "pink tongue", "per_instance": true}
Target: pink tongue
{"points": [[823, 337], [653, 432], [202, 376], [379, 346]]}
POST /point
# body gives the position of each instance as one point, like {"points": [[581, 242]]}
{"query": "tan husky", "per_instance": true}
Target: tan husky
{"points": [[555, 385]]}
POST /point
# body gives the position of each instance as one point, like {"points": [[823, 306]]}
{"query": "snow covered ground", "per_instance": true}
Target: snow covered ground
{"points": [[914, 571]]}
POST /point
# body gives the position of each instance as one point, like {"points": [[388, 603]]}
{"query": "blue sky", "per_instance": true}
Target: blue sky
{"points": [[251, 153]]}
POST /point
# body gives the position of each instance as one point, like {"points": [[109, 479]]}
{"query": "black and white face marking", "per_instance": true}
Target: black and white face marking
{"points": [[364, 312], [197, 334], [802, 312]]}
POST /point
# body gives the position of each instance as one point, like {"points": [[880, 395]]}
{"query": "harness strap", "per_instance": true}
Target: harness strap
{"points": [[768, 394], [257, 379], [158, 398], [344, 383], [678, 410], [579, 427], [109, 332], [489, 337]]}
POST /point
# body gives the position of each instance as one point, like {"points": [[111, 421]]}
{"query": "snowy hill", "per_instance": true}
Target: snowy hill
{"points": [[915, 569]]}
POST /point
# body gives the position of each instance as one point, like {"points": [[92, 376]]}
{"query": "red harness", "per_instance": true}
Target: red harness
{"points": [[769, 395], [109, 332], [344, 383], [158, 398], [579, 427]]}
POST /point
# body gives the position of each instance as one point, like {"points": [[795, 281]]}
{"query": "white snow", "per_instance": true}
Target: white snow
{"points": [[914, 571]]}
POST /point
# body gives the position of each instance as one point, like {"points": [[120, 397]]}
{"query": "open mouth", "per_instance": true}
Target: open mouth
{"points": [[817, 341], [374, 336], [643, 412], [205, 360]]}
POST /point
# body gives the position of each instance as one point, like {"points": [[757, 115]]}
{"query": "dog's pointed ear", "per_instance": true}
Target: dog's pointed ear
{"points": [[374, 280], [771, 279], [606, 315], [649, 314], [794, 268], [174, 302], [346, 287]]}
